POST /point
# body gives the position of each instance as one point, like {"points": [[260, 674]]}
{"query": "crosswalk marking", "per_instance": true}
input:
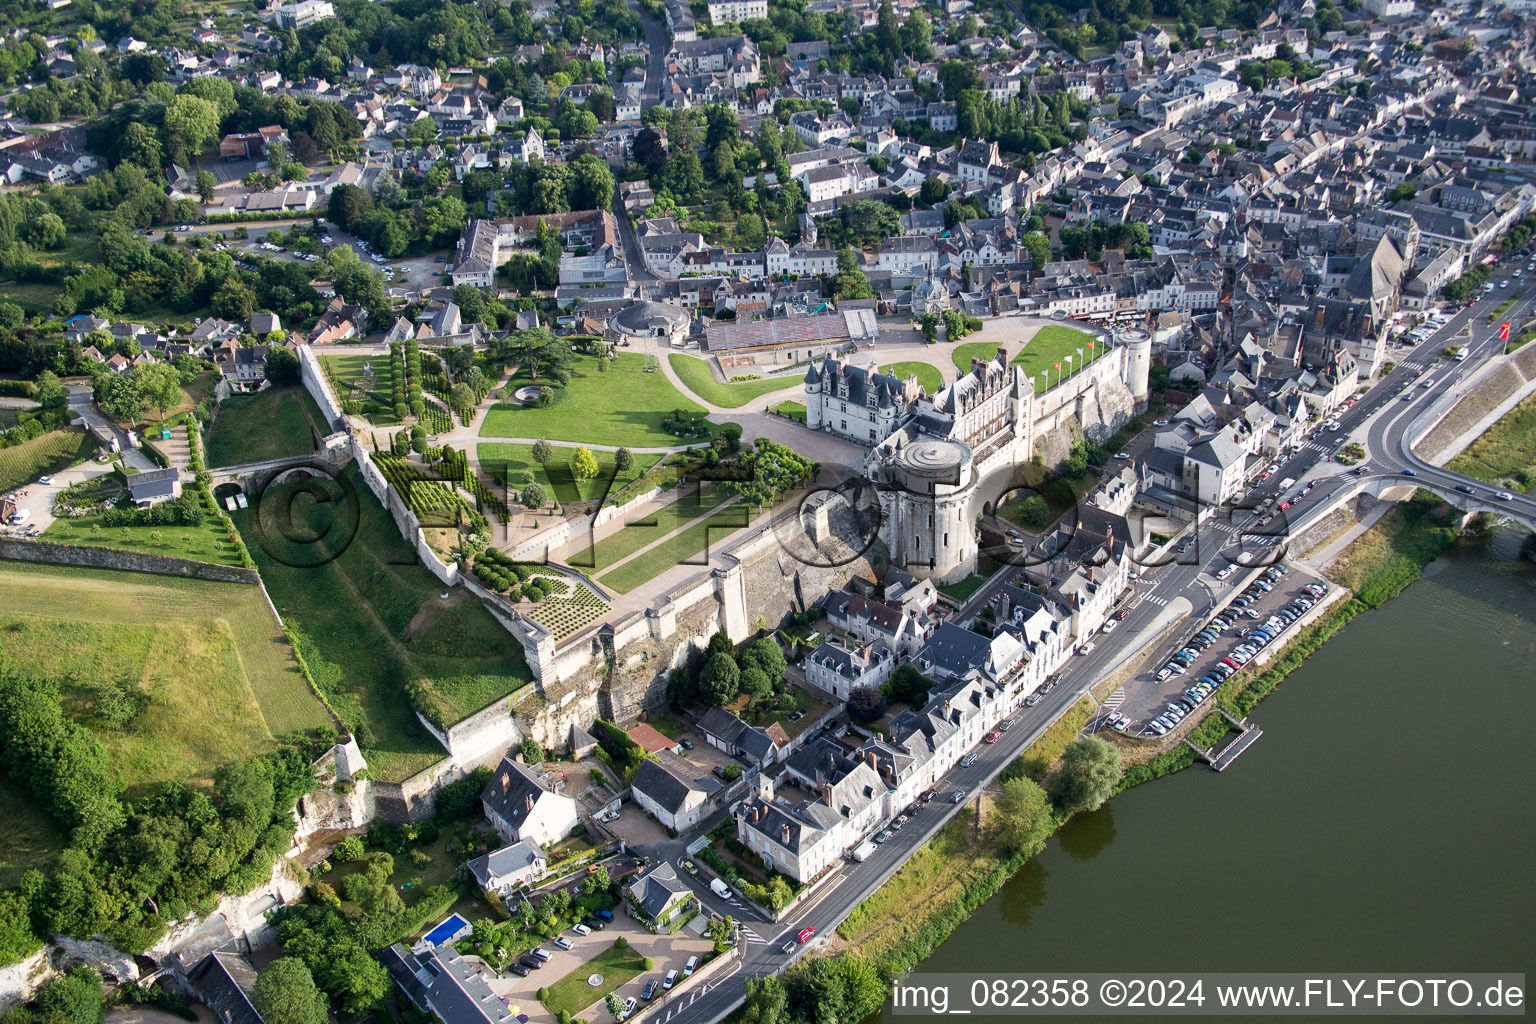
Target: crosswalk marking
{"points": [[1155, 599], [1113, 701], [751, 935]]}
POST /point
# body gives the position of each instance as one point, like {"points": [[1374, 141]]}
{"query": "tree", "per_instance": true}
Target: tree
{"points": [[591, 183], [1020, 820], [767, 1001], [682, 691], [192, 124], [1039, 246], [584, 464], [764, 654], [721, 930], [755, 684], [159, 384], [908, 685], [533, 751], [543, 451], [1034, 512], [1087, 776], [624, 460], [720, 643], [286, 994], [206, 183], [720, 681], [534, 495], [348, 206], [648, 150], [865, 704], [1401, 191], [958, 76], [917, 37], [75, 998], [850, 282], [614, 1004], [282, 367]]}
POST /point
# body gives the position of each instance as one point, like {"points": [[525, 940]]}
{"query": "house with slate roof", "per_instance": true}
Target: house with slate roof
{"points": [[521, 808], [225, 983], [724, 731], [658, 898], [672, 800], [503, 870], [443, 984]]}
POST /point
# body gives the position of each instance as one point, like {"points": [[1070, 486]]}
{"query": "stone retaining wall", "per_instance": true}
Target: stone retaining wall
{"points": [[49, 552]]}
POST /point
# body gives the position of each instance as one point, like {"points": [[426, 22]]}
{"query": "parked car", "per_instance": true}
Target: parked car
{"points": [[958, 796], [685, 744], [629, 1007], [519, 970], [669, 980], [593, 924], [563, 942], [691, 966], [649, 992], [533, 963], [805, 934], [581, 929], [885, 837], [992, 737], [542, 954], [967, 760]]}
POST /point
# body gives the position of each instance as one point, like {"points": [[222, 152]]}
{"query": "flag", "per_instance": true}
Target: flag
{"points": [[1504, 331], [1058, 366]]}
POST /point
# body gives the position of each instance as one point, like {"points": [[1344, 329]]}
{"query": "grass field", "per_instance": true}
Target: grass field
{"points": [[221, 682], [375, 630], [693, 544], [624, 406], [794, 410], [1050, 345], [644, 529], [267, 425], [206, 543], [347, 371], [572, 993], [505, 463], [695, 373], [31, 838], [1507, 448], [53, 451], [928, 377]]}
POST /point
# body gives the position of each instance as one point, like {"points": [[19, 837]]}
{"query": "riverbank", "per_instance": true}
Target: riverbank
{"points": [[948, 879]]}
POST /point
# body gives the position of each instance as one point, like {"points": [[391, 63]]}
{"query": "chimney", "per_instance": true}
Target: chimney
{"points": [[826, 793], [974, 363], [757, 813], [528, 799], [869, 755], [784, 833], [1002, 354]]}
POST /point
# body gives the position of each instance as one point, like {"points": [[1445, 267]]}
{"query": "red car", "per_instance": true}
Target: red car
{"points": [[992, 737], [805, 933], [1284, 505], [1264, 476]]}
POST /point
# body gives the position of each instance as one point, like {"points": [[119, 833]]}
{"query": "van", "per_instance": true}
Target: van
{"points": [[1287, 483], [720, 889]]}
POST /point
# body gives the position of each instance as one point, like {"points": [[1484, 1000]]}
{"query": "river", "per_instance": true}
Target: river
{"points": [[1382, 823]]}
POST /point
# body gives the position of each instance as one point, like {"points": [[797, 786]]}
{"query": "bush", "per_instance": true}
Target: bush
{"points": [[533, 751], [621, 943]]}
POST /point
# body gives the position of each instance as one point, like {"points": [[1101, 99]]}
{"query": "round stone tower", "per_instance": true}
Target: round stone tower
{"points": [[813, 397], [1138, 363], [932, 534]]}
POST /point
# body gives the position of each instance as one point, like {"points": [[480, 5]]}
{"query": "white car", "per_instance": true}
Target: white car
{"points": [[581, 929], [45, 480]]}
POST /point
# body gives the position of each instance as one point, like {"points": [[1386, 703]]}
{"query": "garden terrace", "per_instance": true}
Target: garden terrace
{"points": [[270, 424], [624, 406]]}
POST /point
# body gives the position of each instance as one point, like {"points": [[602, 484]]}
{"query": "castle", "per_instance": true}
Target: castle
{"points": [[941, 461]]}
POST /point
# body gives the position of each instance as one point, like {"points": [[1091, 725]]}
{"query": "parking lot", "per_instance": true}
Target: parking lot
{"points": [[667, 952], [1238, 632]]}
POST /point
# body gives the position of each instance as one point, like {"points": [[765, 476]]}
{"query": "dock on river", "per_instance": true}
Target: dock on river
{"points": [[1247, 733]]}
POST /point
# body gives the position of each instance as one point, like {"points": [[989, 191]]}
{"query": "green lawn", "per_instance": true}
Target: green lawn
{"points": [[346, 370], [928, 376], [53, 451], [693, 544], [644, 529], [695, 373], [1050, 345], [794, 410], [505, 463], [31, 838], [207, 659], [572, 993], [268, 425], [624, 406], [985, 567], [377, 635], [206, 543]]}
